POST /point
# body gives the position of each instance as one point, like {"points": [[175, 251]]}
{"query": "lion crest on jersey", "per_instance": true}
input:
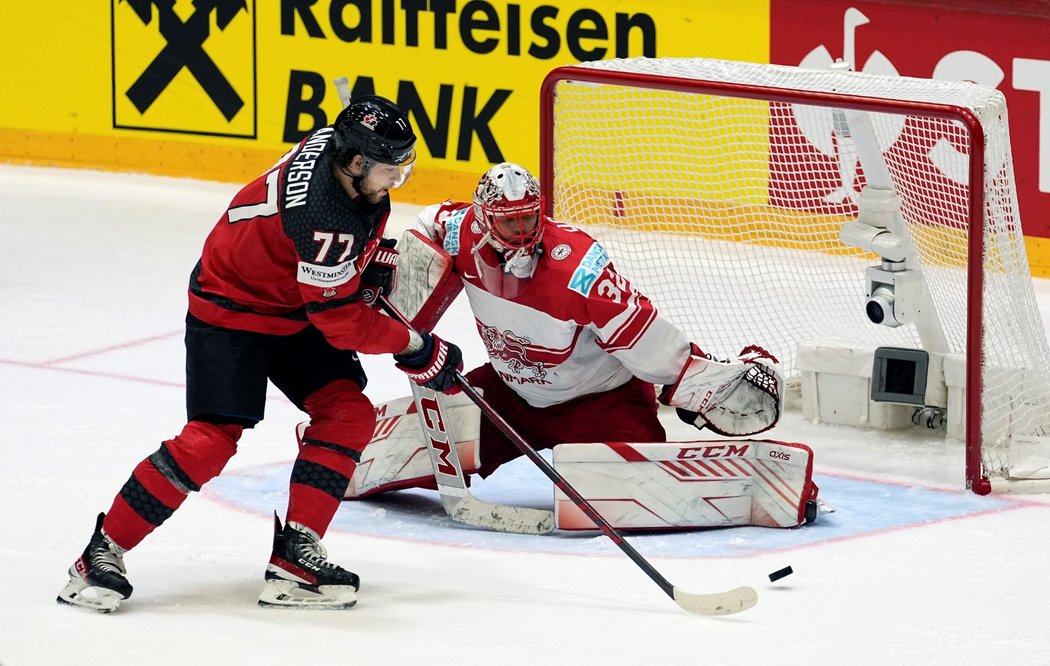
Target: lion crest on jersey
{"points": [[510, 349]]}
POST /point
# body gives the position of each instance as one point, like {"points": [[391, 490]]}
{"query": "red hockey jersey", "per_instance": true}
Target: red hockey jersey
{"points": [[289, 252]]}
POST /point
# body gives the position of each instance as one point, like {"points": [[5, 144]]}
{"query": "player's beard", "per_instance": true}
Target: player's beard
{"points": [[368, 193]]}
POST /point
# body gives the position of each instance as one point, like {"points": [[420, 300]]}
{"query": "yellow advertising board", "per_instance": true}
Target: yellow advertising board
{"points": [[218, 89]]}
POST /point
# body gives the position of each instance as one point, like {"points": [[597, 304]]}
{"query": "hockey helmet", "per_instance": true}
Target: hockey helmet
{"points": [[375, 128], [507, 203]]}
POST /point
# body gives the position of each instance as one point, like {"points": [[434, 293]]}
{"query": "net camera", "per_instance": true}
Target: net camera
{"points": [[893, 291], [892, 294]]}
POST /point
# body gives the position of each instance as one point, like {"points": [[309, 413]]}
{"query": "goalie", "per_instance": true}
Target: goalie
{"points": [[574, 349]]}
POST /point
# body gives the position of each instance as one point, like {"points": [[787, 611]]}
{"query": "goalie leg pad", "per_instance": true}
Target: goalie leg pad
{"points": [[426, 285], [700, 484], [397, 456]]}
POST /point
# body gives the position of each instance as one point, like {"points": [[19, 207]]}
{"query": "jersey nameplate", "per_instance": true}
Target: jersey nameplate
{"points": [[301, 170]]}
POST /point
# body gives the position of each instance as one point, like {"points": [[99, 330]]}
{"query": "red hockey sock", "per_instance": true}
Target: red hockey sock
{"points": [[341, 423], [159, 484]]}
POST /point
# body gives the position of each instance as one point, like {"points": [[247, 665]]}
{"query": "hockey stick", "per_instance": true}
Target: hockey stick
{"points": [[718, 603], [460, 504]]}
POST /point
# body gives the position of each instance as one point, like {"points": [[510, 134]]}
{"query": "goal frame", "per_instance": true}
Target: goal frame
{"points": [[976, 480]]}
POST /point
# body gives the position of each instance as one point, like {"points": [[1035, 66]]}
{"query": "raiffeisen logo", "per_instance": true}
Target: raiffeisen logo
{"points": [[184, 66]]}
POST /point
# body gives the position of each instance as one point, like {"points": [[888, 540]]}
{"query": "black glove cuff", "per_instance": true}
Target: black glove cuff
{"points": [[686, 415]]}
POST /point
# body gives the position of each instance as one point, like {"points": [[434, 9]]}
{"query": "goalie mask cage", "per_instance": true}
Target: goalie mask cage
{"points": [[721, 189]]}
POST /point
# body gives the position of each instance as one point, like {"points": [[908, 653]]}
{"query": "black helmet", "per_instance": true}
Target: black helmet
{"points": [[375, 128]]}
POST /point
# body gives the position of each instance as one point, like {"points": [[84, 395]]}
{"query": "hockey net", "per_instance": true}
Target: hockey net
{"points": [[721, 190]]}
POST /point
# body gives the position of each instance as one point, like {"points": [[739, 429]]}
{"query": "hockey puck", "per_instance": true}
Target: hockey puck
{"points": [[780, 573]]}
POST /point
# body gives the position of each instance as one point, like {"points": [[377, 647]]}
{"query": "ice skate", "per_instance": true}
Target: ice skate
{"points": [[97, 579], [299, 574]]}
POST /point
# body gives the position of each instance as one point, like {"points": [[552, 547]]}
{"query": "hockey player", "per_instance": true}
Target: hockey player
{"points": [[574, 349], [281, 293]]}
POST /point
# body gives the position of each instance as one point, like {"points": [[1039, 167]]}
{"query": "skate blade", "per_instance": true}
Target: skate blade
{"points": [[289, 594], [78, 593]]}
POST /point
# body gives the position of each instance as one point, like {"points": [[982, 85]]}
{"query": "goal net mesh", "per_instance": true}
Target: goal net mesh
{"points": [[725, 207]]}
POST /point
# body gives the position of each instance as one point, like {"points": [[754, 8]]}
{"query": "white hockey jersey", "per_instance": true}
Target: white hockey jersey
{"points": [[577, 328]]}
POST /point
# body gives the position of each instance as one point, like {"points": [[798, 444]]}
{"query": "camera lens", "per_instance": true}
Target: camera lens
{"points": [[879, 307], [875, 312]]}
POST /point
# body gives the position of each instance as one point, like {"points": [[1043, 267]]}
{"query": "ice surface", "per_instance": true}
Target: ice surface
{"points": [[909, 569]]}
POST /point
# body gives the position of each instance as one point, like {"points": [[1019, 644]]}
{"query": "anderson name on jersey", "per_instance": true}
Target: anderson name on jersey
{"points": [[289, 252], [577, 328]]}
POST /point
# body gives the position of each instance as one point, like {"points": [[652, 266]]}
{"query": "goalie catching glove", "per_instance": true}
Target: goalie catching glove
{"points": [[732, 398], [434, 366]]}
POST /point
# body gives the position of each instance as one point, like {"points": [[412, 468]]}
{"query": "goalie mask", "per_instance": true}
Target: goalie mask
{"points": [[377, 130], [507, 205]]}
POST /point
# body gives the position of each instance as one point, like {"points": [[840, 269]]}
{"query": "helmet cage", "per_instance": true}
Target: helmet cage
{"points": [[507, 204]]}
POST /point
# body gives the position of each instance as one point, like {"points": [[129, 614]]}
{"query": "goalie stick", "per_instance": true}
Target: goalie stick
{"points": [[717, 603], [459, 503]]}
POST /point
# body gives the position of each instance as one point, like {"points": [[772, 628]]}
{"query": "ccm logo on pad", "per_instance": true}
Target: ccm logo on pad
{"points": [[717, 451]]}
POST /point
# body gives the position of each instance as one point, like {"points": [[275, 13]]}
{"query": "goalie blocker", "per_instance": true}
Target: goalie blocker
{"points": [[424, 297]]}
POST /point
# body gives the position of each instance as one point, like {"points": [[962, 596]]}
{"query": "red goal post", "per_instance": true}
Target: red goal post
{"points": [[722, 190]]}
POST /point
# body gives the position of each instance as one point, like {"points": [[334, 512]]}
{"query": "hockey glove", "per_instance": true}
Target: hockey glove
{"points": [[380, 277], [434, 366], [732, 398]]}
